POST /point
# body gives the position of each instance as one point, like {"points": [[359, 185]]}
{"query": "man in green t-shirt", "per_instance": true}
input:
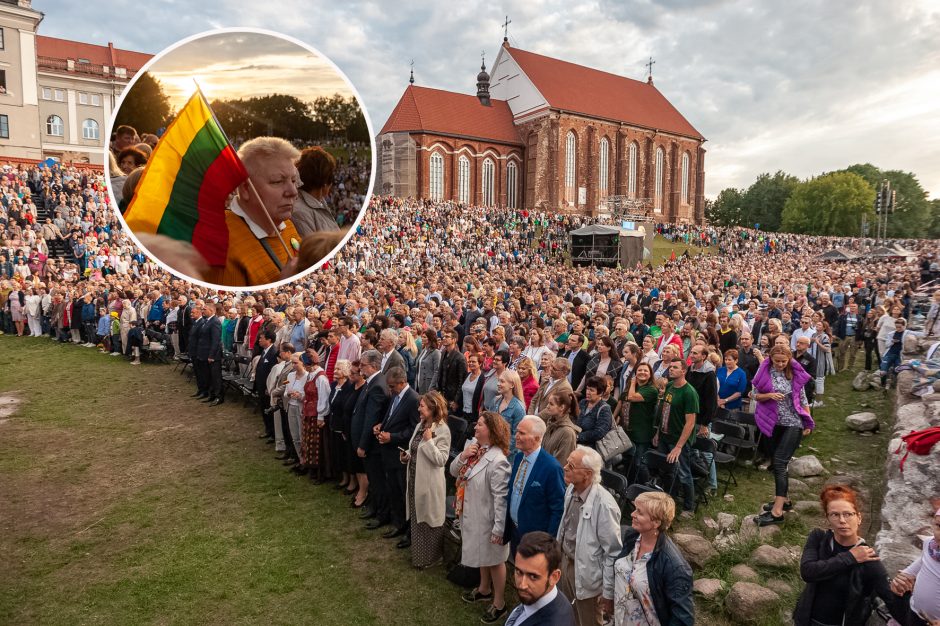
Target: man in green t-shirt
{"points": [[676, 429]]}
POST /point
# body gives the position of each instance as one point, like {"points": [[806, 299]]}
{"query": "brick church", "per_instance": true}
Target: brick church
{"points": [[545, 134]]}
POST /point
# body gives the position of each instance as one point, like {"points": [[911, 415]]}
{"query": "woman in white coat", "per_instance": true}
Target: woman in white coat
{"points": [[482, 473], [34, 312], [426, 493]]}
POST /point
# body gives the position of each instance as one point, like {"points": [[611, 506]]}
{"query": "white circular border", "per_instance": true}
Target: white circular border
{"points": [[247, 288]]}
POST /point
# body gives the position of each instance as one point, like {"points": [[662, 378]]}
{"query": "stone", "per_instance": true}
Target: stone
{"points": [[708, 588], [795, 485], [749, 602], [779, 587], [697, 550], [729, 497], [727, 521], [860, 382], [766, 532], [862, 422], [750, 530], [803, 466], [726, 540], [744, 572], [711, 528], [769, 556], [808, 507]]}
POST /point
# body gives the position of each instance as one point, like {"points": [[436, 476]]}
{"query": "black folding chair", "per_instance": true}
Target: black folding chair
{"points": [[617, 485], [753, 432], [703, 447], [662, 472], [458, 434], [734, 439]]}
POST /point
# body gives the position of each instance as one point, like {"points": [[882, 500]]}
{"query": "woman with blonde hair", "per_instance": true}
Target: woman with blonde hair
{"points": [[509, 403], [529, 377], [128, 315], [426, 493]]}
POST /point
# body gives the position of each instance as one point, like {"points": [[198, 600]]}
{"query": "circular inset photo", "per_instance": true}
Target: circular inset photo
{"points": [[240, 158]]}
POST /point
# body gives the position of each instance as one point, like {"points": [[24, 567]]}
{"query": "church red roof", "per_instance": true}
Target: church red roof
{"points": [[594, 93], [56, 48], [450, 113]]}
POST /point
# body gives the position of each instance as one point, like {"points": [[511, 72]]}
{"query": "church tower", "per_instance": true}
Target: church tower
{"points": [[483, 85]]}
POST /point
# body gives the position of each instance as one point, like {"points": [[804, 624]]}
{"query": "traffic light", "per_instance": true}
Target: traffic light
{"points": [[878, 203], [891, 204]]}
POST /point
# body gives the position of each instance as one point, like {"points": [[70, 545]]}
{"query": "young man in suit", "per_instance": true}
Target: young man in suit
{"points": [[267, 361], [577, 359], [537, 572], [453, 370], [192, 345], [210, 353], [393, 433], [536, 486], [370, 409]]}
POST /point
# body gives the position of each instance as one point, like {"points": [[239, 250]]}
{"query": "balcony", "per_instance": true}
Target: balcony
{"points": [[69, 66]]}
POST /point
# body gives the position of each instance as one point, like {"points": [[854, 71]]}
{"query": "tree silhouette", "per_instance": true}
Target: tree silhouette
{"points": [[146, 107]]}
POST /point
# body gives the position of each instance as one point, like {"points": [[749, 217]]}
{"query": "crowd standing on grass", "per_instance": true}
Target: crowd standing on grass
{"points": [[451, 350]]}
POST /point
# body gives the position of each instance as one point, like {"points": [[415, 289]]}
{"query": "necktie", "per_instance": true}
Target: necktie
{"points": [[394, 405], [517, 488], [514, 616]]}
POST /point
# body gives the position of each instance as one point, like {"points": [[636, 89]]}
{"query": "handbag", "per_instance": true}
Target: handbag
{"points": [[613, 443]]}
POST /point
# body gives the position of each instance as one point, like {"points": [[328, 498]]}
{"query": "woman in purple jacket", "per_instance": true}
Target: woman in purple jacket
{"points": [[782, 415]]}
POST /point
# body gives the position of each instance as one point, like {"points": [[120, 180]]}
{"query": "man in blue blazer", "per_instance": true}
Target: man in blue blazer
{"points": [[536, 486]]}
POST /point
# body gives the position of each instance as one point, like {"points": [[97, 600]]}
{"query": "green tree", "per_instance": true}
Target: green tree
{"points": [[337, 113], [146, 106], [764, 200], [279, 115], [934, 232], [831, 204], [727, 209], [913, 214]]}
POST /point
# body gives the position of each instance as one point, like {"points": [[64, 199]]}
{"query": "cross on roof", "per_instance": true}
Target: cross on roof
{"points": [[650, 66], [506, 28]]}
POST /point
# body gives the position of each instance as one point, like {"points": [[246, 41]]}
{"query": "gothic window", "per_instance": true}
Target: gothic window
{"points": [[602, 167], [685, 178], [463, 180], [631, 171], [658, 193], [571, 149], [54, 126], [489, 183], [512, 175], [436, 188]]}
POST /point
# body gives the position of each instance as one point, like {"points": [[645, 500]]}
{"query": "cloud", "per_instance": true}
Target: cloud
{"points": [[803, 86]]}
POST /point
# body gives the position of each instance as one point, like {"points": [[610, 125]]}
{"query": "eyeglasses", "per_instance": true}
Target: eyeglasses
{"points": [[569, 466], [847, 515]]}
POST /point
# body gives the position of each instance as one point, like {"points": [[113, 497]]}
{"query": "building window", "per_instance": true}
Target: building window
{"points": [[658, 193], [46, 93], [96, 100], [3, 81], [512, 184], [2, 45], [4, 127], [571, 148], [463, 180], [436, 189], [54, 126], [489, 182], [685, 178], [59, 95], [603, 174], [631, 171], [90, 129], [82, 98]]}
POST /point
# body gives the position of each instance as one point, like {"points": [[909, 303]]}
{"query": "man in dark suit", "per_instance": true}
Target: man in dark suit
{"points": [[537, 570], [393, 433], [370, 409], [267, 361], [759, 327], [536, 496], [388, 340], [453, 370], [210, 353], [577, 358], [192, 346], [184, 322]]}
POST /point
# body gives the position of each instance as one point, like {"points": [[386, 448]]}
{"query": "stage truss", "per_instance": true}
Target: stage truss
{"points": [[627, 209]]}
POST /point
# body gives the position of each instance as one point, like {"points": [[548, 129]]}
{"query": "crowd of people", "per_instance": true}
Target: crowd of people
{"points": [[438, 314]]}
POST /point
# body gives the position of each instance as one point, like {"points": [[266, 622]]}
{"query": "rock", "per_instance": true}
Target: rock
{"points": [[749, 602], [726, 540], [914, 416], [729, 497], [862, 422], [766, 532], [808, 507], [697, 550], [769, 556], [727, 521], [779, 587], [796, 485], [711, 528], [911, 344], [750, 530], [860, 382], [803, 466], [708, 588], [744, 572]]}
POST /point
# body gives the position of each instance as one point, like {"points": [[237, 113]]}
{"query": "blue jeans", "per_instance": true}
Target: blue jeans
{"points": [[684, 477]]}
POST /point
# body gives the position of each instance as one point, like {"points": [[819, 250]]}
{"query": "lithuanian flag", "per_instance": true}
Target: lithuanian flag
{"points": [[188, 178]]}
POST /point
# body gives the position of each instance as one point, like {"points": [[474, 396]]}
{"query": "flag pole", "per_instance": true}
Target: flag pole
{"points": [[251, 185]]}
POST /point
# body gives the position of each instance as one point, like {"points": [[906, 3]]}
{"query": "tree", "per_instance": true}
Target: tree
{"points": [[934, 232], [912, 217], [831, 204], [279, 115], [764, 200], [727, 209], [337, 113], [145, 107]]}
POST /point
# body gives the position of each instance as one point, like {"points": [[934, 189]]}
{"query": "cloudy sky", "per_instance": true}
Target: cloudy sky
{"points": [[801, 86], [244, 65]]}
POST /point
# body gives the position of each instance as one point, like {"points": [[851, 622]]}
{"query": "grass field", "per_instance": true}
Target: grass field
{"points": [[124, 501], [663, 249]]}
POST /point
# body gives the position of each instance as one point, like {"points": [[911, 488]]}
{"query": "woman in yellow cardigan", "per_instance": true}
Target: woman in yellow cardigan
{"points": [[427, 456]]}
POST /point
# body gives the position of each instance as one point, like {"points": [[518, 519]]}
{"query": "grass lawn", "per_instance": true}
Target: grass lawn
{"points": [[663, 249], [124, 501]]}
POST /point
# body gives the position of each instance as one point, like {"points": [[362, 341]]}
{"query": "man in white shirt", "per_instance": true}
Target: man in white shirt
{"points": [[805, 330]]}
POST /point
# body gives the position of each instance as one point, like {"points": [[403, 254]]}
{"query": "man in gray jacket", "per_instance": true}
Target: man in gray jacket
{"points": [[590, 526]]}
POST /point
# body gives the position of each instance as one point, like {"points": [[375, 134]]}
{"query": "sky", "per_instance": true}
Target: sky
{"points": [[803, 86], [245, 65]]}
